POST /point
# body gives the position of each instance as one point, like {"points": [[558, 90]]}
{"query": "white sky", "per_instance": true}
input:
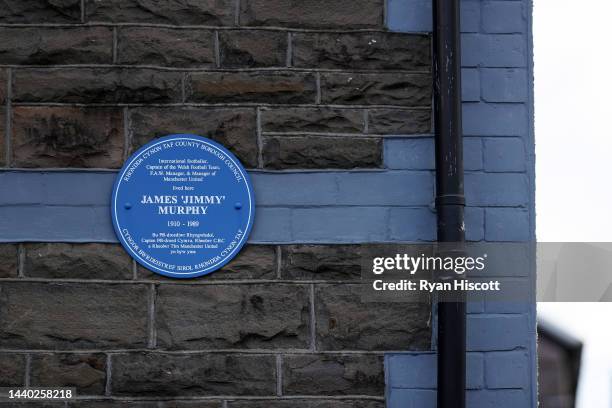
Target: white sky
{"points": [[573, 109]]}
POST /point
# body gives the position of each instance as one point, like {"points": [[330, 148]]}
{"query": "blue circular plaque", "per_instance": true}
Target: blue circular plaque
{"points": [[183, 206]]}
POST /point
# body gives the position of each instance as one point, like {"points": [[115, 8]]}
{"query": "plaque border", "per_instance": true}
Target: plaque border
{"points": [[251, 206]]}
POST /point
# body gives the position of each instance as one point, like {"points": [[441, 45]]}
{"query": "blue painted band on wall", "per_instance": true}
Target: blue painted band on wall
{"points": [[329, 207], [393, 188]]}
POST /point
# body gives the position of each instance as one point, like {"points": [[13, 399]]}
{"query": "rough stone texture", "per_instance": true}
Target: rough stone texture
{"points": [[3, 84], [297, 403], [399, 122], [77, 261], [235, 128], [333, 375], [96, 85], [376, 89], [165, 47], [8, 260], [46, 46], [252, 48], [344, 322], [316, 262], [263, 87], [67, 137], [313, 13], [32, 404], [86, 372], [72, 316], [253, 262], [369, 50], [232, 316], [12, 369], [176, 12], [193, 374], [307, 120], [3, 135], [321, 152], [145, 404], [40, 11]]}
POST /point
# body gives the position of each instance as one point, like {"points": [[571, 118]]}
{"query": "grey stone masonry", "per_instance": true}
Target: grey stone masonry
{"points": [[77, 261], [72, 316], [166, 47], [12, 367], [252, 48], [96, 85], [333, 375], [67, 136], [272, 87], [176, 12], [285, 85], [235, 128], [233, 316], [367, 50], [40, 11], [87, 372], [276, 322], [9, 256], [313, 13], [315, 152], [59, 46], [193, 374]]}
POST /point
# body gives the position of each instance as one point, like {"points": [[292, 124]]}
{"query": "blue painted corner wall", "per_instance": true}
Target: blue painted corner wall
{"points": [[497, 75]]}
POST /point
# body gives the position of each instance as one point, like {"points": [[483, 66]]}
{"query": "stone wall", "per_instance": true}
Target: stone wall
{"points": [[277, 322], [318, 100], [86, 95]]}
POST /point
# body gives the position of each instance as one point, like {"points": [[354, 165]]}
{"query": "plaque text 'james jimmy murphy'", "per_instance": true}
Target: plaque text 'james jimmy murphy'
{"points": [[182, 205]]}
